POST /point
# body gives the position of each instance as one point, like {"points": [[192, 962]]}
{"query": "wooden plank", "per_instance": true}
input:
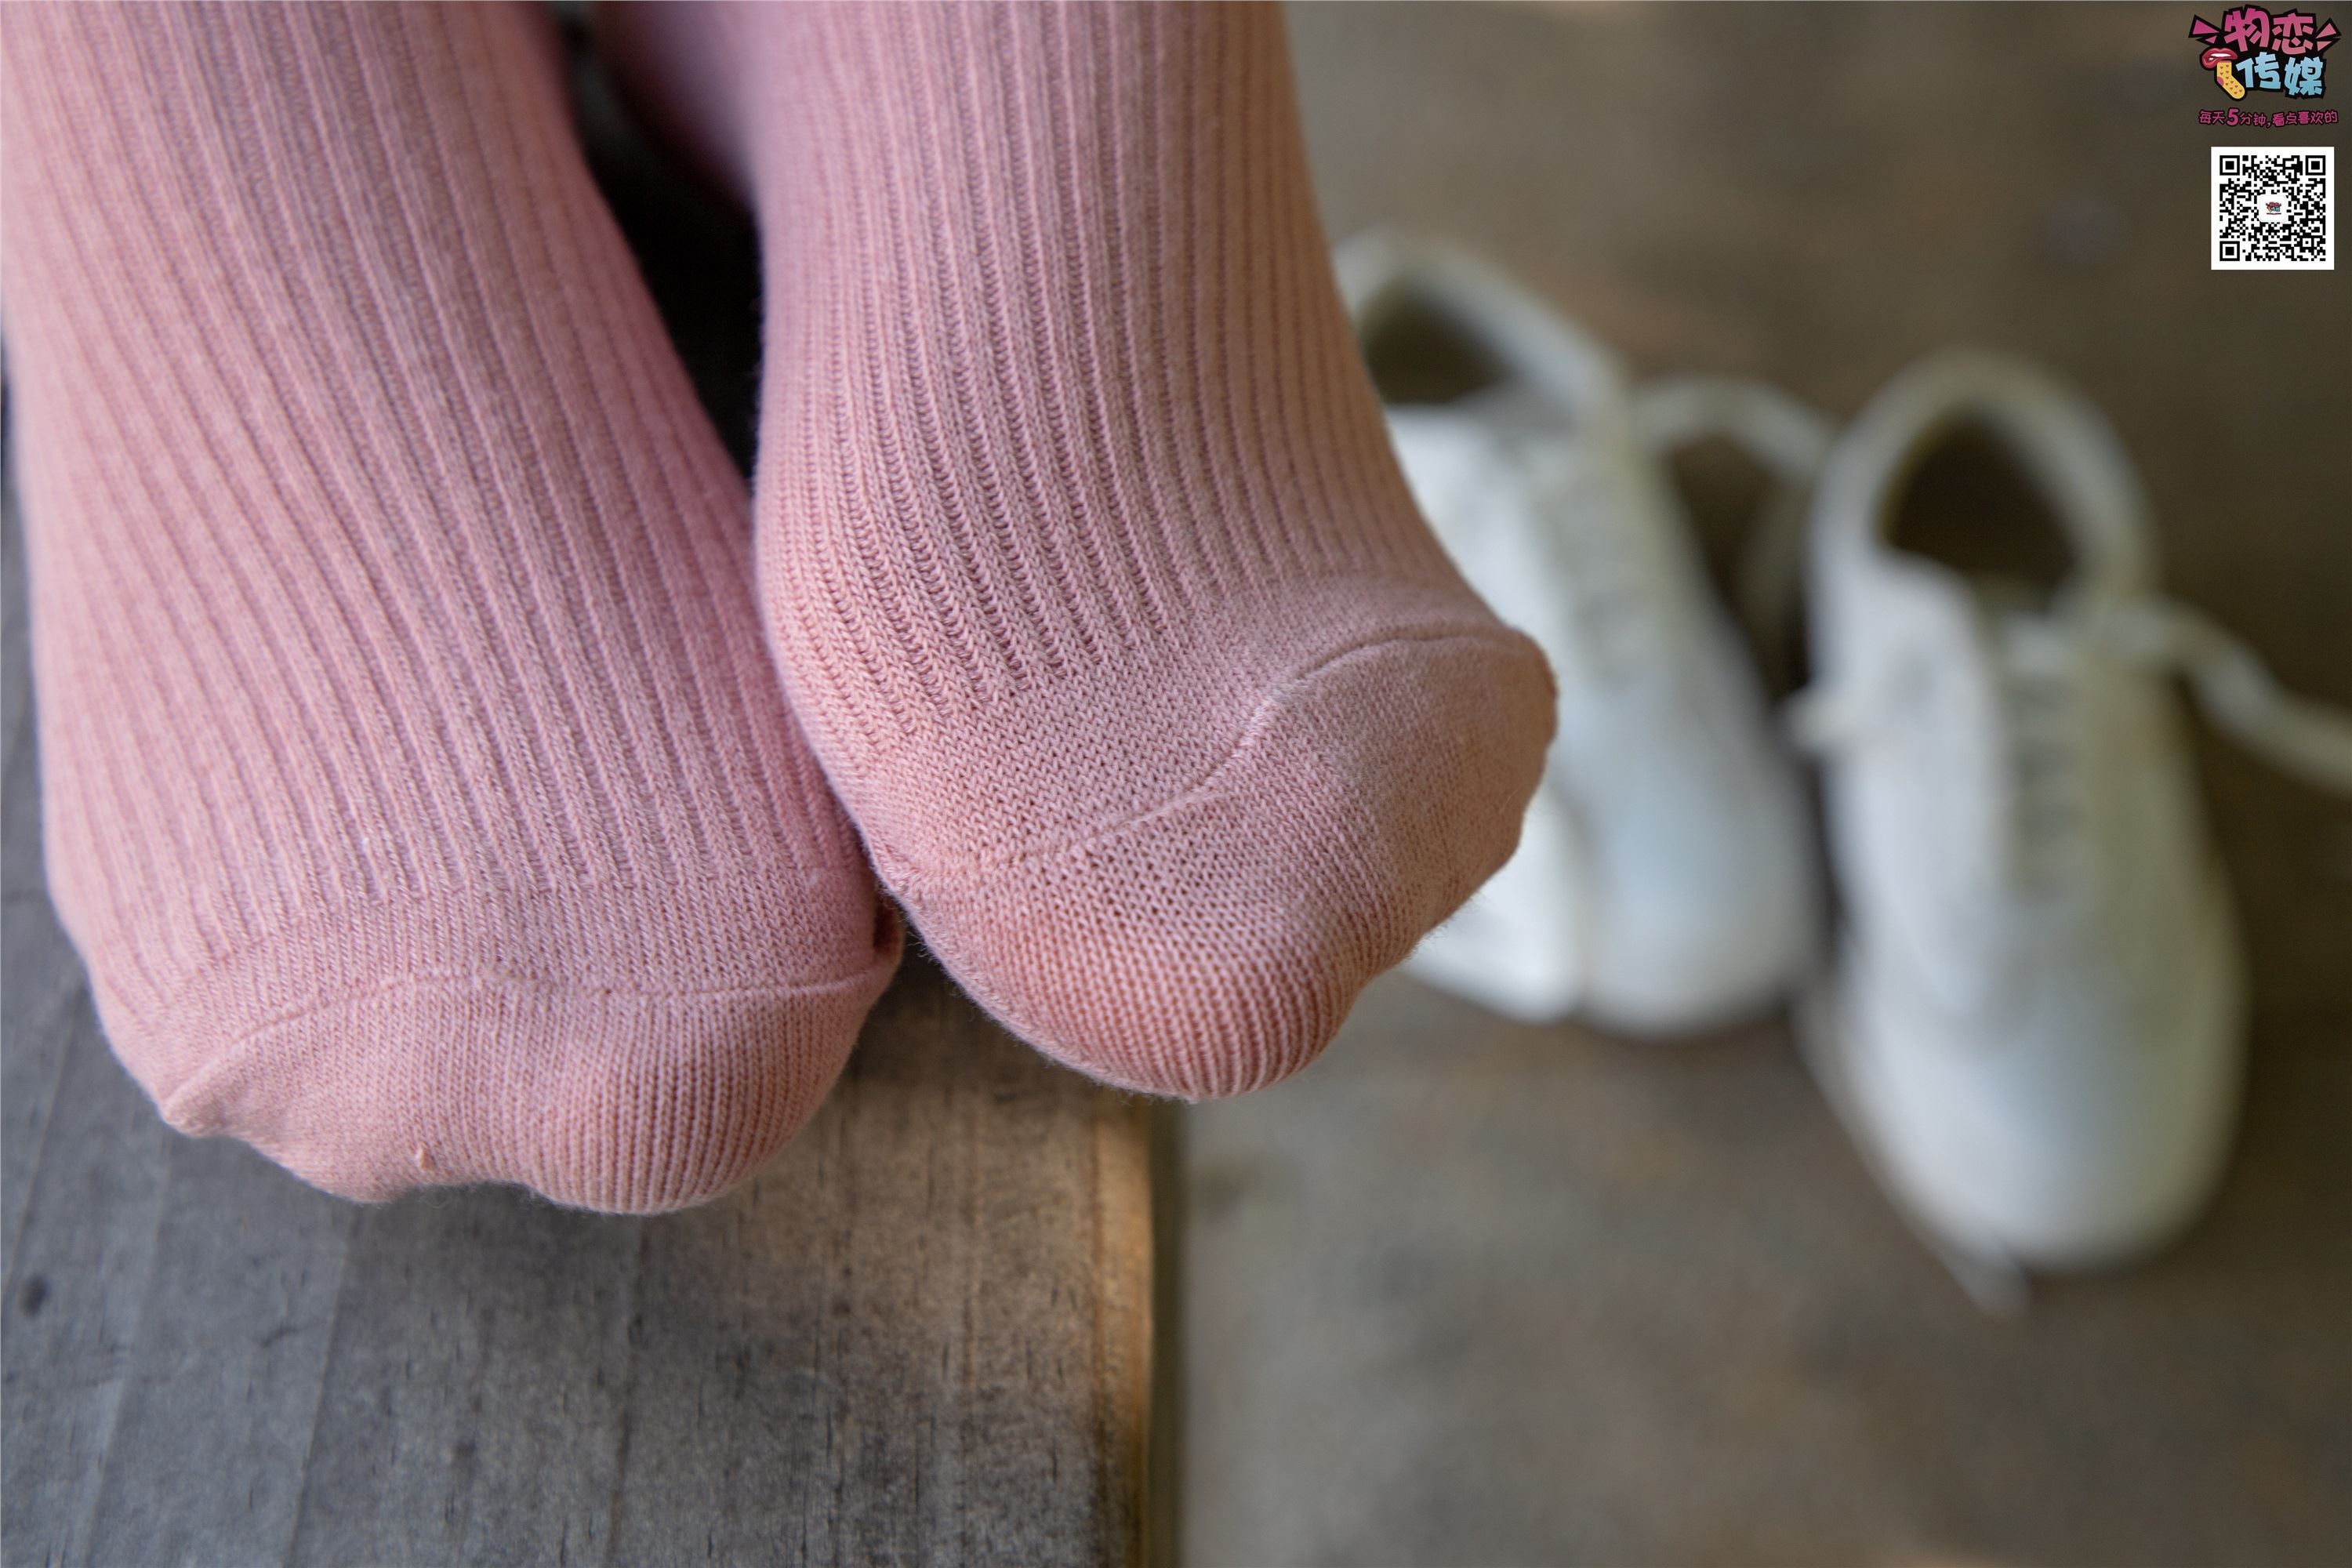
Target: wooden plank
{"points": [[205, 1459], [923, 1335], [476, 1393], [28, 1001], [83, 1175], [75, 1290], [993, 1439]]}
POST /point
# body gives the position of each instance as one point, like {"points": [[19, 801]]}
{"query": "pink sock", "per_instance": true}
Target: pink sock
{"points": [[1080, 543], [416, 785]]}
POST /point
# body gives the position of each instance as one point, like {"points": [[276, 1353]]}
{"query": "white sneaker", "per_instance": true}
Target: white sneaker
{"points": [[1663, 880], [2032, 1021]]}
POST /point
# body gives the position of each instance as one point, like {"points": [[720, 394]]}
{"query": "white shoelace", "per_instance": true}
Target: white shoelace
{"points": [[1596, 572], [1606, 610], [2305, 739]]}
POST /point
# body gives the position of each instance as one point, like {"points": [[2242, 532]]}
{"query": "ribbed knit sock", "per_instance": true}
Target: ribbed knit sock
{"points": [[417, 786], [1080, 543]]}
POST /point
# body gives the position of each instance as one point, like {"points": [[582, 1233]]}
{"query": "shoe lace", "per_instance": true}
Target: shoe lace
{"points": [[2038, 692], [2037, 697], [2303, 739], [2048, 792], [1600, 570], [1600, 576]]}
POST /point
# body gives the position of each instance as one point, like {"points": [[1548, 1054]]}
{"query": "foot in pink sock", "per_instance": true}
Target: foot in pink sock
{"points": [[417, 786], [1080, 541]]}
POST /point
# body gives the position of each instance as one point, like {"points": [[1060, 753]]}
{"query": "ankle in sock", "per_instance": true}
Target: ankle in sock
{"points": [[1081, 545], [417, 786]]}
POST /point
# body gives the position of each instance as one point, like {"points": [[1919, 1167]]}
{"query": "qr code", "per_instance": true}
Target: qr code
{"points": [[2273, 207]]}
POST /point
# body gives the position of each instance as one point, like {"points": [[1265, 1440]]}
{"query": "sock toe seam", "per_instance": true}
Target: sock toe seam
{"points": [[172, 994], [901, 870], [250, 1041]]}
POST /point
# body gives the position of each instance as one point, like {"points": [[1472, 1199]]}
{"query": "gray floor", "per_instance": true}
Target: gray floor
{"points": [[1471, 1292]]}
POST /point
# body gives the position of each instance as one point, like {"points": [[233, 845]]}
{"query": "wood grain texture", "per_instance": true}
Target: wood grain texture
{"points": [[924, 1334]]}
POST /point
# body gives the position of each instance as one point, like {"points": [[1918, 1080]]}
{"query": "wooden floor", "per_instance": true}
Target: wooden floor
{"points": [[1466, 1293], [923, 1335]]}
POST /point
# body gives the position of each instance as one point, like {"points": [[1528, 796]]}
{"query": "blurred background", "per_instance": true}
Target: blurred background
{"points": [[1466, 1291], [1470, 1291]]}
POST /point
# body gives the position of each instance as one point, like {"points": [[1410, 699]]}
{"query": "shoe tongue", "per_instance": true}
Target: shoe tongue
{"points": [[1516, 410], [2028, 640], [2010, 599], [2021, 623], [2014, 623], [1473, 475], [1506, 434], [2034, 630]]}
